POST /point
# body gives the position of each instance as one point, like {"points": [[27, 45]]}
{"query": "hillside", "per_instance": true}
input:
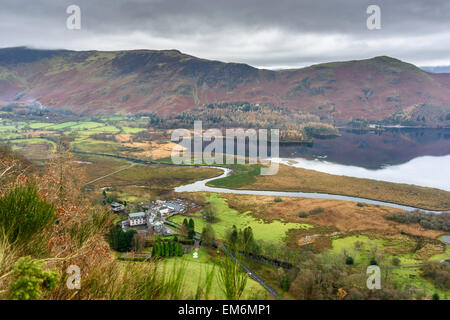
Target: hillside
{"points": [[170, 82]]}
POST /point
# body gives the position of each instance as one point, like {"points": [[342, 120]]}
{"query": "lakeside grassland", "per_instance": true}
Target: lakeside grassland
{"points": [[303, 180]]}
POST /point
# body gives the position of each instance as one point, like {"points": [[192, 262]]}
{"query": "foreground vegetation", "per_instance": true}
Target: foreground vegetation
{"points": [[48, 223], [52, 216], [327, 260]]}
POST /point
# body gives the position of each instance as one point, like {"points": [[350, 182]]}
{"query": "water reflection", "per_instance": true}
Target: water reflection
{"points": [[427, 171], [375, 150]]}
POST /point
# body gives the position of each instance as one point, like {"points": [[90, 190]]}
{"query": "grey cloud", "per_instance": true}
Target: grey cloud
{"points": [[235, 30]]}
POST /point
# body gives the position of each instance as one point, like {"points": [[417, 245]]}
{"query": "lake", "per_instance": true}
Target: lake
{"points": [[413, 156], [403, 155]]}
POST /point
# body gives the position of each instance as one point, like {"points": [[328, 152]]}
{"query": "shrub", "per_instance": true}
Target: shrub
{"points": [[435, 296], [210, 214], [303, 214], [426, 220], [439, 274], [277, 200], [396, 261], [349, 261], [373, 262], [317, 210], [360, 204]]}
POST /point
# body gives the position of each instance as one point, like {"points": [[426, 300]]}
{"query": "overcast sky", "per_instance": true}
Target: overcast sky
{"points": [[262, 33]]}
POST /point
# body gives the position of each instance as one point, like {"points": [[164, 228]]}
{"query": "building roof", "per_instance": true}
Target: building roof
{"points": [[137, 215], [174, 206], [115, 204]]}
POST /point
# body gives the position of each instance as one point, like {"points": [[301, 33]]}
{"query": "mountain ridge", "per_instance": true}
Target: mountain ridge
{"points": [[168, 82]]}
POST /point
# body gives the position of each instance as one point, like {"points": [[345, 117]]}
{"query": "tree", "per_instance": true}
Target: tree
{"points": [[30, 279], [208, 236], [113, 237], [180, 250], [171, 248], [191, 229], [232, 237], [210, 214], [120, 240], [156, 250], [248, 240], [166, 249], [138, 242]]}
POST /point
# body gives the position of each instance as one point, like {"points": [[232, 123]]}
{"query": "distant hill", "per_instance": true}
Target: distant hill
{"points": [[440, 69], [169, 82]]}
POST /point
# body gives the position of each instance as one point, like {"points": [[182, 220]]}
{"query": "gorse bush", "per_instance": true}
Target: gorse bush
{"points": [[24, 214]]}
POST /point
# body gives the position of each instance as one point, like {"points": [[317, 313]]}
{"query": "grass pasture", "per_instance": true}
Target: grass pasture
{"points": [[274, 231], [196, 271]]}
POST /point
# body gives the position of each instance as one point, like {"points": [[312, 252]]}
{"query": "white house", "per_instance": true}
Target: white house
{"points": [[137, 219]]}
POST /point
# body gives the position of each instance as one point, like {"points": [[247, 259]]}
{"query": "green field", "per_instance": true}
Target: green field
{"points": [[274, 231], [196, 271], [403, 276]]}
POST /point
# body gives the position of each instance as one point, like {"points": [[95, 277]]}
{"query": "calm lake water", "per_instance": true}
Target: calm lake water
{"points": [[402, 155], [412, 156]]}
